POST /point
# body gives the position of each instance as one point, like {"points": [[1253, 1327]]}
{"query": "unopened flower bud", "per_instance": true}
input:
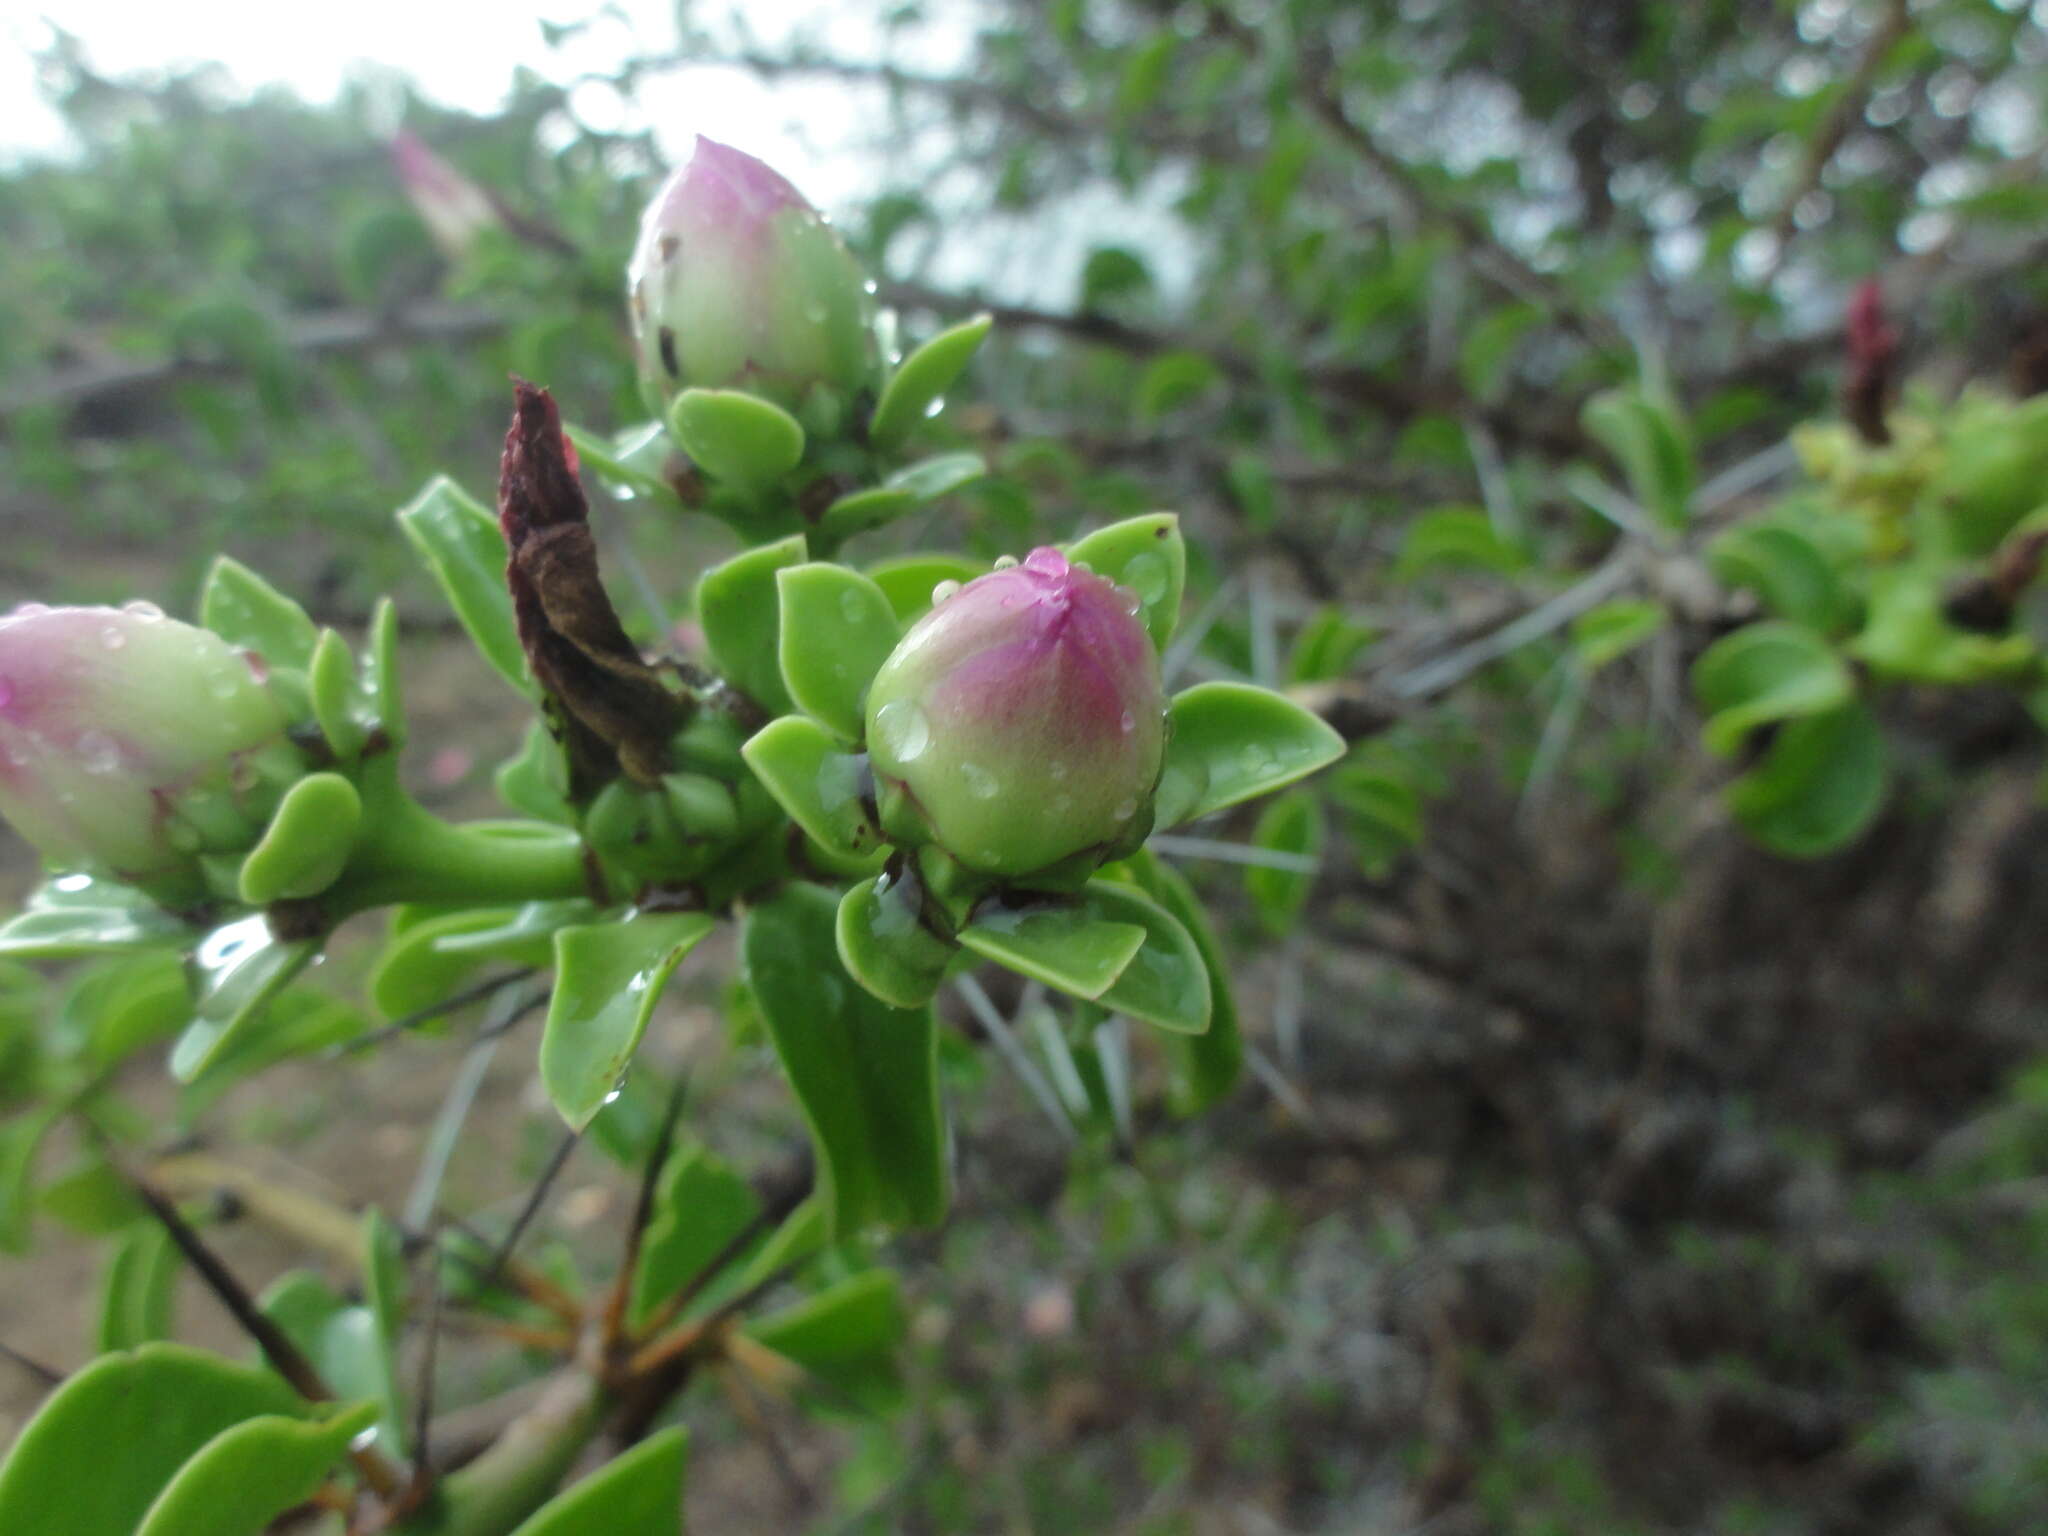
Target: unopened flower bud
{"points": [[131, 743], [738, 283], [455, 209], [1023, 718]]}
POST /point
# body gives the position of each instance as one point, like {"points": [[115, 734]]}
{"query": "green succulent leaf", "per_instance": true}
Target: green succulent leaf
{"points": [[630, 463], [1292, 824], [21, 1142], [340, 706], [1763, 673], [383, 684], [907, 581], [911, 487], [1382, 813], [914, 392], [1148, 558], [1167, 981], [736, 437], [242, 1479], [1231, 742], [74, 916], [1785, 570], [159, 1404], [701, 1206], [242, 968], [1612, 630], [817, 783], [608, 977], [308, 842], [837, 628], [346, 1343], [864, 1074], [738, 604], [886, 948], [458, 540], [1204, 1067], [847, 1338], [138, 1290], [1061, 943], [639, 1493], [1821, 783], [1456, 538], [1644, 432], [245, 610]]}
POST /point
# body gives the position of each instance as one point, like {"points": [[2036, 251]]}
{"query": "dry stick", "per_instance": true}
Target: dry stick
{"points": [[773, 1211], [278, 1349], [423, 1389], [557, 1160], [406, 1023], [643, 1212], [750, 1412], [529, 1283], [47, 1375]]}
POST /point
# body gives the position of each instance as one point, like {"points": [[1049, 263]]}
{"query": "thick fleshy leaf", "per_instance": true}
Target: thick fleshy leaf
{"points": [[1644, 432], [1148, 558], [915, 391], [92, 1198], [384, 1282], [1061, 943], [245, 610], [1764, 673], [21, 1140], [846, 1338], [736, 437], [345, 1344], [340, 704], [837, 629], [124, 1003], [905, 491], [700, 1206], [629, 463], [817, 783], [608, 977], [1820, 784], [459, 541], [1166, 983], [242, 968], [738, 606], [308, 842], [1456, 538], [534, 781], [1783, 568], [76, 915], [138, 1290], [1231, 742], [864, 1074], [1610, 631], [246, 1476], [639, 1493], [299, 1021], [383, 684], [908, 580], [886, 948], [1206, 1066], [158, 1405], [1291, 825]]}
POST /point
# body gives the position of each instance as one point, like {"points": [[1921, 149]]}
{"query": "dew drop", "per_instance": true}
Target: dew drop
{"points": [[113, 637], [979, 781], [71, 885], [1046, 562], [1128, 724], [29, 610], [1056, 770], [944, 590], [1125, 810], [937, 405], [148, 612], [98, 753], [903, 730], [1006, 562]]}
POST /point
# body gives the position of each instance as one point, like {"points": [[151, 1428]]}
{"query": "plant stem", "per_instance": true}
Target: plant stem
{"points": [[495, 1493]]}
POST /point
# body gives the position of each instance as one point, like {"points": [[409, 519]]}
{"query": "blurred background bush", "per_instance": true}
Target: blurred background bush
{"points": [[1599, 1169]]}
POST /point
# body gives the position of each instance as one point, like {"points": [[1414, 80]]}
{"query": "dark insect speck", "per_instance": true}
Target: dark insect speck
{"points": [[668, 353]]}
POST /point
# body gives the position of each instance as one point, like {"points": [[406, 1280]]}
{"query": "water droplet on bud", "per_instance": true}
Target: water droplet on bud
{"points": [[902, 730], [113, 637], [1046, 562], [1125, 810], [1128, 724], [979, 781], [1006, 562], [944, 590], [938, 404], [147, 612], [851, 605], [98, 753]]}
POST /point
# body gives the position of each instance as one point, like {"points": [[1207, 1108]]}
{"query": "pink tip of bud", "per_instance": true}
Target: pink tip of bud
{"points": [[1871, 340]]}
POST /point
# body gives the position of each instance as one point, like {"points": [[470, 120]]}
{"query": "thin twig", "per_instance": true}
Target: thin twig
{"points": [[423, 1016], [643, 1209], [1443, 672], [446, 1132], [47, 1375], [423, 1388], [1013, 1053], [1179, 847], [557, 1160], [774, 1210]]}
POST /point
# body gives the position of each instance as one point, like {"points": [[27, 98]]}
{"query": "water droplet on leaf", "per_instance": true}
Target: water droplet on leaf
{"points": [[902, 730]]}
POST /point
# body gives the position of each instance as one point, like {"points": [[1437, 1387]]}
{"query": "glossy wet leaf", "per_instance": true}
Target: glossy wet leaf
{"points": [[241, 969], [1764, 673], [1147, 557], [884, 946], [817, 782], [413, 971], [738, 605], [915, 391], [245, 610], [1820, 784], [340, 705], [343, 1341], [309, 840], [246, 1476], [384, 1284], [911, 487], [159, 1405], [125, 1002], [1167, 982], [629, 463], [74, 915], [1204, 1067], [458, 540], [836, 630], [1063, 944], [736, 437], [638, 1493], [608, 977], [383, 683], [864, 1073], [1230, 742]]}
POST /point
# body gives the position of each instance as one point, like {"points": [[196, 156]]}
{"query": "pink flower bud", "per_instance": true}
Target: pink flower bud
{"points": [[1023, 718], [131, 743], [737, 282], [455, 209]]}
